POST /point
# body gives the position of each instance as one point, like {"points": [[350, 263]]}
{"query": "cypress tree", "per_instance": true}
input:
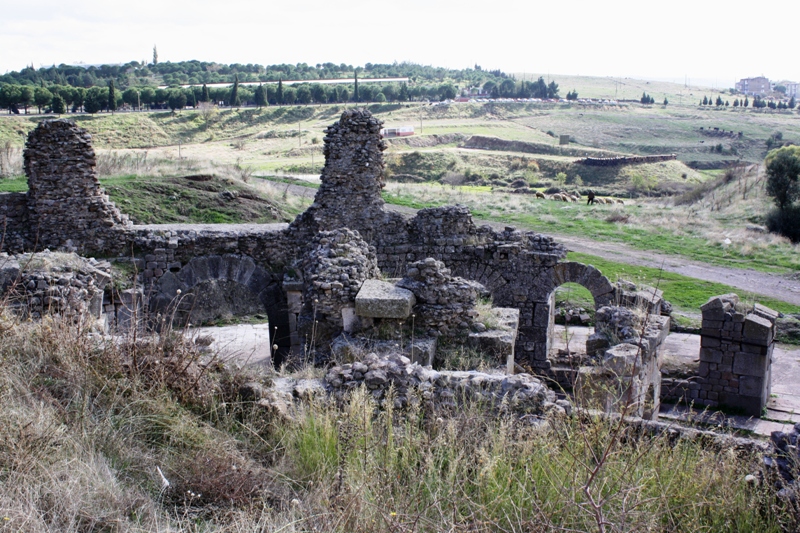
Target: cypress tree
{"points": [[746, 102], [205, 97], [279, 96], [260, 96], [403, 93], [355, 87], [235, 91], [112, 96]]}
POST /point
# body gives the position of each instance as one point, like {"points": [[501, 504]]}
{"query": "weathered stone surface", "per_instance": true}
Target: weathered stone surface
{"points": [[55, 284], [736, 354], [759, 330], [439, 390], [379, 299]]}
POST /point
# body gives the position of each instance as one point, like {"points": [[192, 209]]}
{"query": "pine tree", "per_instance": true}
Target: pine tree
{"points": [[279, 96], [792, 103], [736, 103], [112, 96], [705, 101], [355, 86], [234, 101], [666, 102]]}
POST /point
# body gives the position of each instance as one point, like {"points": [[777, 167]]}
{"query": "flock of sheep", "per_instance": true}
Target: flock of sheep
{"points": [[576, 197]]}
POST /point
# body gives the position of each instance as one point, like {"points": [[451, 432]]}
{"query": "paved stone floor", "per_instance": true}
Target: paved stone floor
{"points": [[243, 343]]}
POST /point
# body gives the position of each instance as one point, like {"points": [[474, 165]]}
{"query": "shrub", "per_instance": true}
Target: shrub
{"points": [[785, 222]]}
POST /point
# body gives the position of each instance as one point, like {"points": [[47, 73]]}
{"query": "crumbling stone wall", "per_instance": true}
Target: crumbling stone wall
{"points": [[68, 209], [352, 178], [445, 304], [626, 160], [334, 269], [735, 355], [55, 284], [520, 269], [519, 393]]}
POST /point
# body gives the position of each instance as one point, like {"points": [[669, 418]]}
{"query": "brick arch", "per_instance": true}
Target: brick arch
{"points": [[237, 275]]}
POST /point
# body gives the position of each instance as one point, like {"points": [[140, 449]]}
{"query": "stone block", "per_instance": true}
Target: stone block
{"points": [[379, 299], [751, 386], [758, 330], [750, 364], [621, 359]]}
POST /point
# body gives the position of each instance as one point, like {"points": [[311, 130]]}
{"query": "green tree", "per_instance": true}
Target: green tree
{"points": [[78, 97], [25, 97], [204, 95], [303, 94], [355, 86], [261, 96], [95, 99], [42, 98], [746, 101], [447, 91], [155, 55], [507, 88], [279, 94], [289, 95], [552, 90], [234, 98], [9, 97], [783, 173], [792, 104], [176, 100], [318, 93], [403, 94], [112, 97], [666, 102], [131, 97], [59, 105], [705, 101]]}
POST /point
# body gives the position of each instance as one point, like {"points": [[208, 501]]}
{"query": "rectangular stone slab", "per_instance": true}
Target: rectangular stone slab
{"points": [[379, 299]]}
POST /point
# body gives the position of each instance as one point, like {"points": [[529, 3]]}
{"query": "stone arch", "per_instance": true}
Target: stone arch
{"points": [[230, 284], [535, 345]]}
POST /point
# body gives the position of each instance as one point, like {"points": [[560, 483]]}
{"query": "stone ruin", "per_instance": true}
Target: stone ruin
{"points": [[340, 268]]}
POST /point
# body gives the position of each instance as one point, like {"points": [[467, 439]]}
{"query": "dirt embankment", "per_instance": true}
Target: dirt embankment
{"points": [[482, 142]]}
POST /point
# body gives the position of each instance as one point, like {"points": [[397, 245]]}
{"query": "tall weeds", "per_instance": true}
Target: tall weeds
{"points": [[83, 435]]}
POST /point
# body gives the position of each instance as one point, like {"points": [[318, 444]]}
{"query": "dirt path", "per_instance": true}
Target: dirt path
{"points": [[784, 288]]}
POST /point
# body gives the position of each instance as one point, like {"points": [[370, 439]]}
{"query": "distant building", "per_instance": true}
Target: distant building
{"points": [[402, 131], [754, 86], [793, 89]]}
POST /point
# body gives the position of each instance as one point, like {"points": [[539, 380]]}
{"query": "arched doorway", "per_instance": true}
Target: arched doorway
{"points": [[209, 287]]}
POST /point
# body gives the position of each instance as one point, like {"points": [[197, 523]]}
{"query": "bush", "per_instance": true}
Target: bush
{"points": [[785, 222]]}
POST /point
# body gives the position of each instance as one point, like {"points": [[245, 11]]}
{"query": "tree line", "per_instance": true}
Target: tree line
{"points": [[61, 99], [140, 73]]}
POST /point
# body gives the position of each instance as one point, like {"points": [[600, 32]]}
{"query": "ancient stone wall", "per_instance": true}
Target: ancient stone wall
{"points": [[520, 269], [735, 355], [520, 393], [15, 221], [626, 160], [55, 284], [68, 209]]}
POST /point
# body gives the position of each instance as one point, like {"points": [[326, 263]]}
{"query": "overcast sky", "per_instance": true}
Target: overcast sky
{"points": [[712, 41]]}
